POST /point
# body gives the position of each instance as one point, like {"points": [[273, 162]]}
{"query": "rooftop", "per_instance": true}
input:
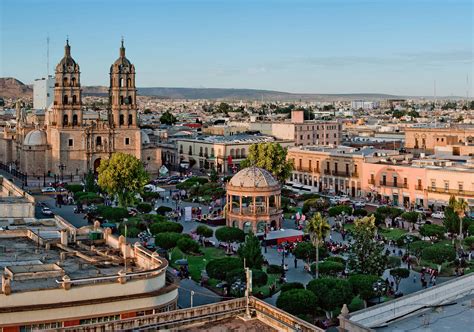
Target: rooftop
{"points": [[240, 138], [346, 150]]}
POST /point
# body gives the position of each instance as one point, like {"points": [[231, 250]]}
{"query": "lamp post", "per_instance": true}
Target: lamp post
{"points": [[379, 288], [62, 167]]}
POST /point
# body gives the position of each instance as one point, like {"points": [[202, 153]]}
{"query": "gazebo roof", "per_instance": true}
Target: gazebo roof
{"points": [[253, 177]]}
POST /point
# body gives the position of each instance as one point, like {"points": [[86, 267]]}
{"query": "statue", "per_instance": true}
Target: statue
{"points": [[20, 112]]}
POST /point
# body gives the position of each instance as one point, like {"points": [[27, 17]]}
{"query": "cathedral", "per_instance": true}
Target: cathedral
{"points": [[66, 139]]}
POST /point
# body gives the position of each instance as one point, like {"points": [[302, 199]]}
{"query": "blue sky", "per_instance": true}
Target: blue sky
{"points": [[332, 46]]}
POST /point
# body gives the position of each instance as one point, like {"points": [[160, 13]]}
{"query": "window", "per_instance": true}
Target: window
{"points": [[317, 165], [355, 169], [335, 168], [121, 119], [190, 150], [301, 136], [121, 100], [98, 141], [130, 119], [129, 82], [71, 142], [310, 165], [74, 100], [65, 120], [433, 184], [127, 141], [65, 81], [384, 180], [73, 81], [74, 120], [460, 186], [65, 100], [129, 100], [347, 169], [395, 181], [446, 185]]}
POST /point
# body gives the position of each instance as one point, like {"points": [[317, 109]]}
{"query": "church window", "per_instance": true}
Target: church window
{"points": [[98, 141], [73, 81], [130, 119], [74, 120], [121, 100], [74, 99], [65, 100], [65, 120], [65, 81], [122, 119], [120, 82], [71, 142], [129, 82], [127, 141], [129, 98]]}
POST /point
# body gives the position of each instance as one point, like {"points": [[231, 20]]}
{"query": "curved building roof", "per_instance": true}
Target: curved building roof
{"points": [[35, 137], [253, 177]]}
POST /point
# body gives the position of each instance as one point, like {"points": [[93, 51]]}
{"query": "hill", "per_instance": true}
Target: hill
{"points": [[12, 88]]}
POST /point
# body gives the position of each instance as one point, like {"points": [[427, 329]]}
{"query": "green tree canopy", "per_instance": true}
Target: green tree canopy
{"points": [[297, 302], [251, 252], [168, 118], [270, 156], [398, 274], [204, 232], [317, 228], [366, 254], [331, 293], [434, 232], [439, 254], [230, 234], [363, 285], [122, 175]]}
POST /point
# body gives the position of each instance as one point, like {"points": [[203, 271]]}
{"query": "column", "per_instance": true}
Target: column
{"points": [[267, 204], [254, 204], [240, 204]]}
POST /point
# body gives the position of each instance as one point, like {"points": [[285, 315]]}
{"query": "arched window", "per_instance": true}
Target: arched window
{"points": [[129, 82], [129, 98], [74, 99], [232, 153], [190, 150], [122, 120], [65, 120], [74, 120], [120, 82], [65, 81], [242, 153], [121, 100], [98, 141], [130, 119], [65, 100], [73, 81]]}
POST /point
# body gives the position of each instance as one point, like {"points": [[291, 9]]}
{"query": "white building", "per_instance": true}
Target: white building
{"points": [[43, 92], [366, 105]]}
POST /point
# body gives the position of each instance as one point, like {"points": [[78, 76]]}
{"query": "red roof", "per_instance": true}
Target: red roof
{"points": [[192, 125]]}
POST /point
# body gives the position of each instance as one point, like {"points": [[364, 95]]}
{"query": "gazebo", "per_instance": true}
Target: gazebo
{"points": [[254, 201]]}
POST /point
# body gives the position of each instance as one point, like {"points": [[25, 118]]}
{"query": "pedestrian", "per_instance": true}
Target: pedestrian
{"points": [[296, 263], [414, 279]]}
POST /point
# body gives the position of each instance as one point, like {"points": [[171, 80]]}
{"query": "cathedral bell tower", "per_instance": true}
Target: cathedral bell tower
{"points": [[122, 93], [67, 106]]}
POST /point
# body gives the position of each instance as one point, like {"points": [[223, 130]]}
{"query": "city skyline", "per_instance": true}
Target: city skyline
{"points": [[215, 44]]}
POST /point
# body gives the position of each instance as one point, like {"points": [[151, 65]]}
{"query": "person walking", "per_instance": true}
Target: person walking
{"points": [[296, 263]]}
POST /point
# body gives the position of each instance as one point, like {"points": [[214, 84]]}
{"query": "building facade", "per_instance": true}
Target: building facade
{"points": [[427, 138], [43, 92]]}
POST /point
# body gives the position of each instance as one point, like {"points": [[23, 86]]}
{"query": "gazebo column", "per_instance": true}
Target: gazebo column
{"points": [[254, 198], [267, 204], [240, 204]]}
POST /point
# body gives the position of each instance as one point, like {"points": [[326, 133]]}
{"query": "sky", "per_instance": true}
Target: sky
{"points": [[401, 47]]}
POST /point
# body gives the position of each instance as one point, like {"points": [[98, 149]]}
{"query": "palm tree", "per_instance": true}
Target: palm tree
{"points": [[460, 207], [317, 228]]}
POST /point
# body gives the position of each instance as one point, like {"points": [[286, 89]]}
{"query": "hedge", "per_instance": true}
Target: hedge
{"points": [[291, 285], [328, 268], [218, 268], [188, 245], [339, 209], [165, 227], [163, 210], [89, 198], [359, 213], [337, 259], [144, 207], [168, 240], [297, 302], [274, 269], [74, 188], [114, 214]]}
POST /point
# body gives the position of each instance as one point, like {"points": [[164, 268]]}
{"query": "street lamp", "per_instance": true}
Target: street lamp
{"points": [[379, 288], [62, 167]]}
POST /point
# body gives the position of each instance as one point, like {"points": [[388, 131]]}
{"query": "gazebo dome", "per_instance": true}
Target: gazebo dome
{"points": [[35, 138], [253, 177]]}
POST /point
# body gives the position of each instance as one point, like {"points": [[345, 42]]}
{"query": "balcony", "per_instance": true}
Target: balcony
{"points": [[303, 169], [417, 187], [327, 172], [372, 181], [393, 184], [451, 191]]}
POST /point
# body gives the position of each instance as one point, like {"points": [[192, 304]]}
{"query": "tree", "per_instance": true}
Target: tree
{"points": [[339, 209], [251, 252], [318, 228], [460, 206], [213, 177], [165, 227], [291, 285], [122, 175], [204, 232], [330, 268], [270, 156], [167, 240], [331, 293], [291, 301], [432, 231], [398, 274], [363, 286], [439, 254], [229, 235], [187, 245], [410, 216], [366, 255], [218, 268], [89, 182], [168, 118]]}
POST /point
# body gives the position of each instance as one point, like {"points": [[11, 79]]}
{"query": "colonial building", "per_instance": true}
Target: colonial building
{"points": [[64, 140], [426, 138]]}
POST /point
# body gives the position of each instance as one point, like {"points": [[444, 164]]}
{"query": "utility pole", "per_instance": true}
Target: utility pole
{"points": [[47, 56], [192, 297], [125, 248]]}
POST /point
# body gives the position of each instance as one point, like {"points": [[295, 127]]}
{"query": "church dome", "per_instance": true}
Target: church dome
{"points": [[67, 63], [122, 62], [35, 138], [253, 177]]}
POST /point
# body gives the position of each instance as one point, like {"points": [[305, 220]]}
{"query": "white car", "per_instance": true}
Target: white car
{"points": [[48, 190], [359, 204], [438, 215], [47, 212]]}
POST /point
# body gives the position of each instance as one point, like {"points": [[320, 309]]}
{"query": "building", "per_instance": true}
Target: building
{"points": [[15, 202], [254, 201], [223, 153], [66, 139], [43, 92], [332, 170], [425, 138], [365, 105]]}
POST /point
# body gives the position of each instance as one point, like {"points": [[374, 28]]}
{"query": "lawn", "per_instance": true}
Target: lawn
{"points": [[392, 233], [196, 263]]}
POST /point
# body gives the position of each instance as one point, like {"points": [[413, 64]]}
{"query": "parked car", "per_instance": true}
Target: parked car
{"points": [[46, 211], [438, 215], [344, 199], [334, 200], [48, 190], [424, 211], [359, 204]]}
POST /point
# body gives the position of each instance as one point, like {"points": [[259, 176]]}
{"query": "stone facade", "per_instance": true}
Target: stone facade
{"points": [[427, 138], [64, 141]]}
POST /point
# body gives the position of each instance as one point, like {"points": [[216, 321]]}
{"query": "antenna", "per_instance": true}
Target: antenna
{"points": [[434, 92], [47, 56], [467, 86]]}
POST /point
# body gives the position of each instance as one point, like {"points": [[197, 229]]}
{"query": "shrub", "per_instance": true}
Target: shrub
{"points": [[387, 211], [259, 278], [328, 268], [410, 216], [218, 268], [165, 227], [132, 230], [114, 214], [291, 285], [315, 204], [89, 198], [432, 231], [167, 240], [204, 231], [469, 241], [337, 210], [230, 234], [274, 269], [149, 195], [187, 245], [144, 207], [332, 293], [305, 250], [337, 259], [417, 247], [297, 301], [363, 285], [393, 261], [74, 188], [402, 240], [163, 210], [307, 196], [439, 254], [359, 213]]}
